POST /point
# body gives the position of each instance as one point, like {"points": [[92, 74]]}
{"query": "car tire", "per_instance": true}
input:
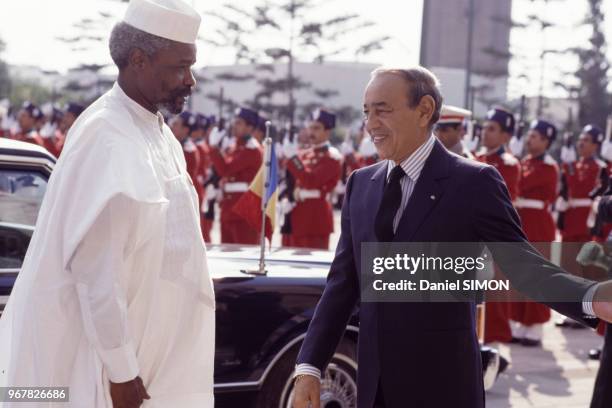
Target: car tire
{"points": [[338, 388]]}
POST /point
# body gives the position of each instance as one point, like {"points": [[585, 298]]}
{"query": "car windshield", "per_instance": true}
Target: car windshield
{"points": [[21, 194]]}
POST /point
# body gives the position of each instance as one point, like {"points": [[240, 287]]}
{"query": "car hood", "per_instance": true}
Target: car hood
{"points": [[229, 260]]}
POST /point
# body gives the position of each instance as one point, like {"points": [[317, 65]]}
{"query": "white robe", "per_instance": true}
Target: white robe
{"points": [[115, 282]]}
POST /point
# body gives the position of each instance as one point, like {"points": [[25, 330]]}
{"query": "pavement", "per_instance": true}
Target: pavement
{"points": [[557, 375]]}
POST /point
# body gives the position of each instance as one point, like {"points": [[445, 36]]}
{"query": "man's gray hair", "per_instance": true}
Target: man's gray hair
{"points": [[124, 38], [421, 82]]}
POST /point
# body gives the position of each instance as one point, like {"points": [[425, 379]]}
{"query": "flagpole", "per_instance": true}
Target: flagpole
{"points": [[267, 142]]}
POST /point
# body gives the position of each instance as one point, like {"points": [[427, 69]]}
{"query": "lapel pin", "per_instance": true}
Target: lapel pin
{"points": [[433, 197]]}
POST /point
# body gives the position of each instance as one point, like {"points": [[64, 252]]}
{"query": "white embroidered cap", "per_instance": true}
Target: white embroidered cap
{"points": [[171, 19]]}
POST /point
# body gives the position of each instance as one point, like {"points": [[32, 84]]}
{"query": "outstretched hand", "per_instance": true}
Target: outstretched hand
{"points": [[307, 392]]}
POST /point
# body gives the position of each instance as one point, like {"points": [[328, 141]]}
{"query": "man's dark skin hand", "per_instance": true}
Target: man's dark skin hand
{"points": [[129, 394]]}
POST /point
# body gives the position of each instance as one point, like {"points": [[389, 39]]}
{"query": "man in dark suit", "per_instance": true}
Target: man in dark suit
{"points": [[602, 392], [422, 354]]}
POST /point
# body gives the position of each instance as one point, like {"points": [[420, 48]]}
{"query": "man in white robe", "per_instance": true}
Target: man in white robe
{"points": [[114, 299]]}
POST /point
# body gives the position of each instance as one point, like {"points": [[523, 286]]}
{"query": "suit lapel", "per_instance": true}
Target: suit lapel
{"points": [[372, 198], [426, 194]]}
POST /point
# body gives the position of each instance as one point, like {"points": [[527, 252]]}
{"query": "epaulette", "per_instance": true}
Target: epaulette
{"points": [[252, 143], [189, 146], [548, 159], [602, 164], [334, 153], [509, 159], [481, 152]]}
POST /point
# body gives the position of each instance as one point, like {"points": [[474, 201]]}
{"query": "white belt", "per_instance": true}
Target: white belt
{"points": [[579, 202], [306, 194], [236, 187], [529, 203]]}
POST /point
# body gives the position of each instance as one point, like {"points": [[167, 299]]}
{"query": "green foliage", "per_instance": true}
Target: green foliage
{"points": [[5, 80], [27, 90], [593, 97]]}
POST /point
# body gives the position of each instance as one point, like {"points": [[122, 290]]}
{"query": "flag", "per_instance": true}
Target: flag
{"points": [[249, 204]]}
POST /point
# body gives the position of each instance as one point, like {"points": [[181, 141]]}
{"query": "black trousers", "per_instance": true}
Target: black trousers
{"points": [[379, 401]]}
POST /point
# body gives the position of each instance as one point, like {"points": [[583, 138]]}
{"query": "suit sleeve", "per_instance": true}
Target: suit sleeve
{"points": [[338, 300], [498, 225]]}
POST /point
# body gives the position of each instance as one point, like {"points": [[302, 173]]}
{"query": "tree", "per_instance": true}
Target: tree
{"points": [[292, 34], [5, 80], [593, 98], [28, 90]]}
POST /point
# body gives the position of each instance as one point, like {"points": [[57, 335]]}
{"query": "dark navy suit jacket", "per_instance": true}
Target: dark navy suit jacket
{"points": [[427, 354]]}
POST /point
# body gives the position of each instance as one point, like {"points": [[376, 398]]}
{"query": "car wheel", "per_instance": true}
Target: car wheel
{"points": [[338, 386]]}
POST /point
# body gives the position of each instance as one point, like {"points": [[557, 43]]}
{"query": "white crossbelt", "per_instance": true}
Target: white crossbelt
{"points": [[304, 194], [579, 202], [236, 187], [529, 203]]}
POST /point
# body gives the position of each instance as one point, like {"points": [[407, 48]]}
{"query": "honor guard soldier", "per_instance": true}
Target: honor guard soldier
{"points": [[181, 126], [237, 169], [498, 128], [199, 135], [450, 131], [579, 180], [260, 130], [71, 112], [537, 193], [350, 163], [49, 132], [316, 171], [27, 117], [568, 153]]}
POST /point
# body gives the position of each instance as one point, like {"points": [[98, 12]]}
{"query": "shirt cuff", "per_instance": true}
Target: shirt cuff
{"points": [[587, 302], [120, 363], [307, 369]]}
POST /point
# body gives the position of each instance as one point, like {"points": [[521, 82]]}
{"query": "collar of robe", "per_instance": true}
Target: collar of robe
{"points": [[137, 109]]}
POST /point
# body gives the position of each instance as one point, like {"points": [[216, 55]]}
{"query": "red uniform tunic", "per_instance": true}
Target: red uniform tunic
{"points": [[537, 192], [497, 314], [316, 171], [54, 144], [29, 137], [205, 164], [367, 160], [508, 166], [581, 178], [237, 169], [351, 163], [192, 158]]}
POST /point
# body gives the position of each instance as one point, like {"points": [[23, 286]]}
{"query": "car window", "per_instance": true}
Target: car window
{"points": [[21, 194]]}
